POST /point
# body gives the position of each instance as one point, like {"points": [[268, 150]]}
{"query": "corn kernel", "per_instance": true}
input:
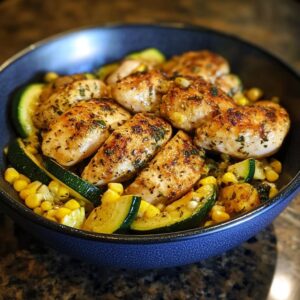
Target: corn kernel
{"points": [[11, 175], [51, 218], [63, 193], [219, 216], [208, 180], [273, 192], [20, 185], [38, 210], [46, 205], [192, 205], [254, 94], [218, 207], [23, 177], [276, 166], [50, 213], [31, 149], [33, 201], [117, 187], [25, 193], [33, 187], [53, 186], [50, 76], [178, 117], [110, 196], [72, 204], [182, 82], [243, 101], [229, 177], [271, 175], [209, 223], [151, 211], [62, 212]]}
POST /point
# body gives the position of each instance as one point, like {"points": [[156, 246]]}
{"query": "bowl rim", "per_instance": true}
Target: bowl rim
{"points": [[288, 191]]}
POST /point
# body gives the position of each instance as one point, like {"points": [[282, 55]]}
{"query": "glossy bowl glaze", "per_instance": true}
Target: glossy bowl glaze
{"points": [[86, 49]]}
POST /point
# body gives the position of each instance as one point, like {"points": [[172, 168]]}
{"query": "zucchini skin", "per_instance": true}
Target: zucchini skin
{"points": [[251, 170], [24, 164], [82, 187], [191, 222]]}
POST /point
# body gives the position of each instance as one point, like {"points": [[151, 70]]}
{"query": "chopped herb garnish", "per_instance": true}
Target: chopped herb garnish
{"points": [[240, 139], [188, 153], [138, 163], [82, 91], [109, 152], [157, 133], [100, 123], [214, 91]]}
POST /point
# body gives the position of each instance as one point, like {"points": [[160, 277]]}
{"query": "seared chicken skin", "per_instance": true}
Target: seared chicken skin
{"points": [[60, 97], [128, 149], [249, 131], [81, 130], [172, 172], [203, 63], [141, 92], [189, 100]]}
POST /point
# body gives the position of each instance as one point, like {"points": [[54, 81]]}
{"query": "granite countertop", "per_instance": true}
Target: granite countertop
{"points": [[265, 267]]}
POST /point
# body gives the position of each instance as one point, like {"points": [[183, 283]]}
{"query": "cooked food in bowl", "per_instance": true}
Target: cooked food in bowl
{"points": [[146, 145]]}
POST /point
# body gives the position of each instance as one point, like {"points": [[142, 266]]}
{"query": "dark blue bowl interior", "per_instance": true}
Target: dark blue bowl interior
{"points": [[87, 49]]}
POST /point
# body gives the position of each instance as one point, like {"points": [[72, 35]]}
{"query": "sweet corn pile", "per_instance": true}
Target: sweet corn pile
{"points": [[52, 201]]}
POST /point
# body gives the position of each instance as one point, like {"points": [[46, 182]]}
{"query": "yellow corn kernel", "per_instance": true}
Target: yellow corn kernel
{"points": [[254, 94], [20, 185], [50, 213], [182, 82], [72, 204], [218, 207], [33, 201], [110, 196], [229, 177], [219, 216], [53, 186], [178, 117], [24, 194], [23, 177], [273, 192], [50, 76], [63, 193], [151, 211], [38, 211], [117, 187], [209, 223], [243, 101], [276, 166], [11, 174], [208, 180], [62, 212], [33, 187], [271, 175], [46, 205]]}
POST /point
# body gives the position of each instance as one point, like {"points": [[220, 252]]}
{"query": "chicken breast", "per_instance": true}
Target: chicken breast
{"points": [[128, 149], [172, 172], [59, 98], [249, 131], [189, 100], [202, 63], [141, 92], [81, 130]]}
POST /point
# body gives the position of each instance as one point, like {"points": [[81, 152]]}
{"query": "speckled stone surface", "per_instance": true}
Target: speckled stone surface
{"points": [[266, 267]]}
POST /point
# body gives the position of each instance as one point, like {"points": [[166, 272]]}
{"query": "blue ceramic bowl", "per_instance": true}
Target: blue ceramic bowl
{"points": [[86, 49]]}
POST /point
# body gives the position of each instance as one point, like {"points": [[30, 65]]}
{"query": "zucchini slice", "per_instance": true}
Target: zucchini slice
{"points": [[26, 163], [178, 215], [84, 188], [113, 216], [244, 170], [151, 55], [23, 106]]}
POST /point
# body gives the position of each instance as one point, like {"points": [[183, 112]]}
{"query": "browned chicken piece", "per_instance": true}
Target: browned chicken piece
{"points": [[230, 84], [190, 100], [81, 130], [128, 149], [246, 131], [141, 92], [202, 63], [62, 94], [172, 172]]}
